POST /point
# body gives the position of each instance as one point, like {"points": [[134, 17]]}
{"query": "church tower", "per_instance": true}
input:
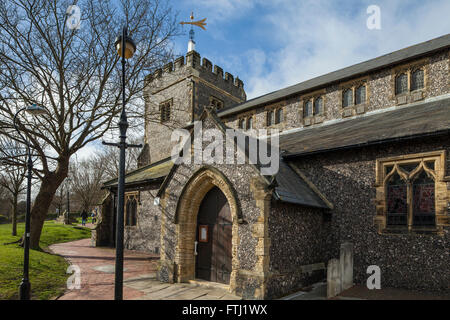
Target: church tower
{"points": [[175, 96]]}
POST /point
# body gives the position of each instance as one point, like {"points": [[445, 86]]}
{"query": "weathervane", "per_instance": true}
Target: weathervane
{"points": [[200, 23]]}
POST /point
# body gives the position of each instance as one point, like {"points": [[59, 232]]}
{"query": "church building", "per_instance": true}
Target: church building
{"points": [[363, 158]]}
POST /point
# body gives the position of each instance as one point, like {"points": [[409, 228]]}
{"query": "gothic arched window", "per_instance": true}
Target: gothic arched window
{"points": [[241, 123], [396, 201], [360, 95], [131, 211], [308, 110], [347, 98], [249, 123], [270, 118], [423, 200], [318, 106], [401, 83], [417, 80], [279, 116]]}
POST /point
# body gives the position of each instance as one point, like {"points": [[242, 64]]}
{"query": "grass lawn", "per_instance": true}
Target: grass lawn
{"points": [[47, 272]]}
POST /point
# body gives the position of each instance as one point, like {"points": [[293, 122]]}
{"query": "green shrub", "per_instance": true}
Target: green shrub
{"points": [[3, 219]]}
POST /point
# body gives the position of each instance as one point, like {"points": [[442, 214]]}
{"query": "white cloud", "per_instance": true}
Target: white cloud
{"points": [[88, 151], [315, 37]]}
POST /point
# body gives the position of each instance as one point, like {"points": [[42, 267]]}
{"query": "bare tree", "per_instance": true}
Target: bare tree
{"points": [[87, 177], [109, 156], [12, 178], [75, 74]]}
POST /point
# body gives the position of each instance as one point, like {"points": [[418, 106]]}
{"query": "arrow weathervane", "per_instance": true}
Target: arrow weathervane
{"points": [[200, 23]]}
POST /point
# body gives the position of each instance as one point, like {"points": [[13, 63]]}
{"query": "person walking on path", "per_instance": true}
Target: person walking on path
{"points": [[84, 216]]}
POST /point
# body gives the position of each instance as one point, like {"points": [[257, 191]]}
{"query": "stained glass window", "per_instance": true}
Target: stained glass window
{"points": [[388, 169], [347, 98], [430, 164], [423, 200], [308, 109], [409, 167], [396, 201], [401, 83], [417, 79], [360, 95], [318, 106], [279, 116]]}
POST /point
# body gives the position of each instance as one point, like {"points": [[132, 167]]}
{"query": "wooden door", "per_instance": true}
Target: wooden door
{"points": [[214, 250]]}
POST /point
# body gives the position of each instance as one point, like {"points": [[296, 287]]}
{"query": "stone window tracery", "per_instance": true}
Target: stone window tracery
{"points": [[412, 193]]}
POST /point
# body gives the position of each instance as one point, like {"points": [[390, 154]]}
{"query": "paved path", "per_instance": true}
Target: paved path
{"points": [[97, 276]]}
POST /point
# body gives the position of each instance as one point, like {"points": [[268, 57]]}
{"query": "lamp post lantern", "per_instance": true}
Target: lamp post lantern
{"points": [[125, 48], [25, 286]]}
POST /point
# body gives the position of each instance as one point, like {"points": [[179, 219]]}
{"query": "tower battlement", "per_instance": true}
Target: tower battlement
{"points": [[204, 66]]}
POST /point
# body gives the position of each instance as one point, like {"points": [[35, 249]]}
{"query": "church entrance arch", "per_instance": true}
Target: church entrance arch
{"points": [[206, 186]]}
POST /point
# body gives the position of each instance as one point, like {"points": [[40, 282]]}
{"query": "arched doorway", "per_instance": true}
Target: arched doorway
{"points": [[214, 235], [185, 219]]}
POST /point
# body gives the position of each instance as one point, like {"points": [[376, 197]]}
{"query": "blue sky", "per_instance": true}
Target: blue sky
{"points": [[277, 43], [271, 44]]}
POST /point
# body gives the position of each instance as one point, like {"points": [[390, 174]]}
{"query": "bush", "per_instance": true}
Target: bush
{"points": [[3, 219], [51, 216]]}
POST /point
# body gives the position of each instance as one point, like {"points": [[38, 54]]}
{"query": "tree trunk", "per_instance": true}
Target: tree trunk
{"points": [[49, 184], [14, 216]]}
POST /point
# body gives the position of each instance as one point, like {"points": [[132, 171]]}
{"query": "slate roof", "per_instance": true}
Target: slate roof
{"points": [[293, 189], [396, 57], [420, 119], [151, 173]]}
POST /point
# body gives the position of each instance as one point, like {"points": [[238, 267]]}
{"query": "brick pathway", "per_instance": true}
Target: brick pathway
{"points": [[97, 276]]}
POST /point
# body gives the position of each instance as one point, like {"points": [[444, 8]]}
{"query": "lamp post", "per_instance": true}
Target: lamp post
{"points": [[67, 216], [25, 286], [125, 48]]}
